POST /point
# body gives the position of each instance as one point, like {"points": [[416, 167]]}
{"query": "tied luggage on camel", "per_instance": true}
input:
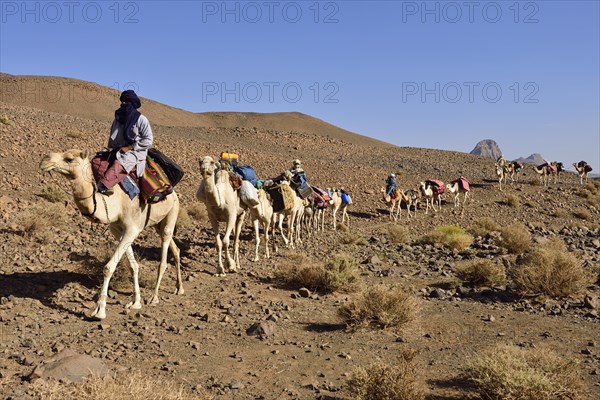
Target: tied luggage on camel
{"points": [[282, 196]]}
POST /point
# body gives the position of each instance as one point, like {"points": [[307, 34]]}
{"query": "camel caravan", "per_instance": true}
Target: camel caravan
{"points": [[286, 207], [546, 172]]}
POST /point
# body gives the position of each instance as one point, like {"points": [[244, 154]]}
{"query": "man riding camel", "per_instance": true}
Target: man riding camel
{"points": [[129, 141]]}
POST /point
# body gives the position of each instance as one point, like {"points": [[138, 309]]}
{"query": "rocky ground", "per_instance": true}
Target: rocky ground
{"points": [[49, 276]]}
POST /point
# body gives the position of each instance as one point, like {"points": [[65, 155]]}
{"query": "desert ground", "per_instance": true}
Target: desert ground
{"points": [[51, 261]]}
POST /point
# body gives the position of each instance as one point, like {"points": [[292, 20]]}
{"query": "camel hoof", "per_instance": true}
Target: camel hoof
{"points": [[98, 314], [222, 274], [153, 300], [179, 291], [134, 305]]}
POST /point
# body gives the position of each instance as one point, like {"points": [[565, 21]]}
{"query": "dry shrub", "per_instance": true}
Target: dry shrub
{"points": [[484, 226], [515, 238], [451, 236], [482, 272], [513, 373], [342, 227], [549, 269], [126, 386], [582, 213], [560, 213], [198, 211], [184, 221], [380, 306], [512, 201], [399, 381], [531, 204], [338, 274], [53, 194], [354, 238], [4, 120], [38, 219], [396, 233], [122, 278]]}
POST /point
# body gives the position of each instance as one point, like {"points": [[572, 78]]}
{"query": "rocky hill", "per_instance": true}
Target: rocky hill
{"points": [[487, 148], [89, 100], [52, 259]]}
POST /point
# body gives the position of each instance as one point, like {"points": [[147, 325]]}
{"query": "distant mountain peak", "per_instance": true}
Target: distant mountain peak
{"points": [[487, 148], [535, 158]]}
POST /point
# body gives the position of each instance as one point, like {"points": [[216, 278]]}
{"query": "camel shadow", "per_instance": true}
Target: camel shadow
{"points": [[324, 327], [459, 383], [41, 286], [359, 214]]}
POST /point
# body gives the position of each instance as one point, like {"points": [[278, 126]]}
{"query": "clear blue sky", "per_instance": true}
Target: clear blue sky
{"points": [[424, 74]]}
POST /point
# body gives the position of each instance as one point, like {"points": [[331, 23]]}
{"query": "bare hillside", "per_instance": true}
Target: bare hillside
{"points": [[92, 101]]}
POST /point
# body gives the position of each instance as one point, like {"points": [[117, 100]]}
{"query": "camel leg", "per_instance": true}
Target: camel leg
{"points": [[345, 217], [166, 234], [239, 223], [266, 226], [177, 256], [126, 241], [290, 221], [280, 225], [335, 210], [255, 222], [299, 225], [219, 244], [136, 304]]}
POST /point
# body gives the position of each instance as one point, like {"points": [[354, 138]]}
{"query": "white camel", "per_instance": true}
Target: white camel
{"points": [[262, 215], [501, 174], [543, 172], [294, 220], [126, 219], [456, 189], [411, 197], [582, 172], [430, 196], [337, 204], [223, 205]]}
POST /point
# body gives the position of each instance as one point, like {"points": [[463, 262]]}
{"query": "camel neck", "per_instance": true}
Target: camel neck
{"points": [[84, 194]]}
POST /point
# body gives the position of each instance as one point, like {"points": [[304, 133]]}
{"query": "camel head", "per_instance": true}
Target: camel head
{"points": [[72, 163], [207, 166]]}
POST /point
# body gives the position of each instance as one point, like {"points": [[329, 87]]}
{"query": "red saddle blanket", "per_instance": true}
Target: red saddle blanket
{"points": [[463, 183], [437, 186]]}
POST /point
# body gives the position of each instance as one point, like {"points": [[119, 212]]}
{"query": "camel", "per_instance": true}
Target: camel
{"points": [[411, 198], [392, 202], [512, 170], [294, 220], [456, 189], [126, 218], [501, 171], [559, 169], [223, 205], [544, 172], [430, 196], [582, 172], [337, 204], [262, 214]]}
